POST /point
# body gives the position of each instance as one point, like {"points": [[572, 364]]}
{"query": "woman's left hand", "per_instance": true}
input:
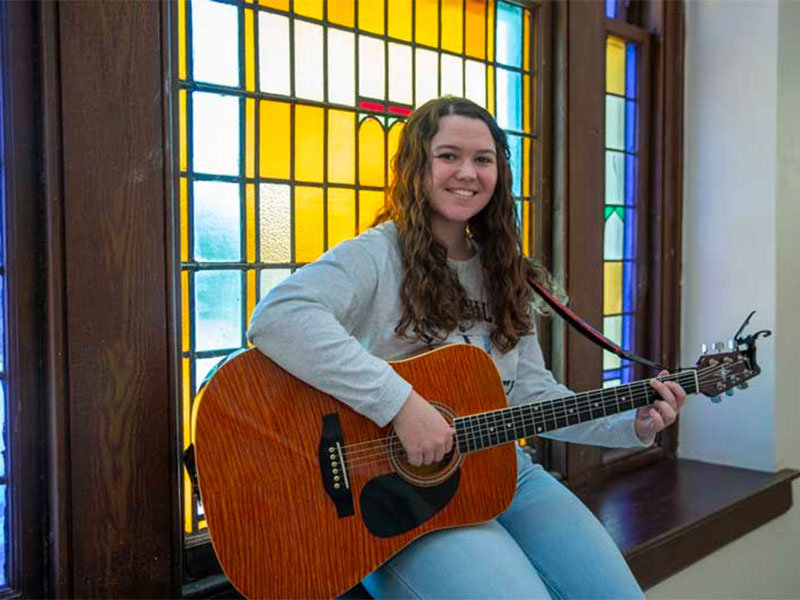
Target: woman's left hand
{"points": [[663, 412]]}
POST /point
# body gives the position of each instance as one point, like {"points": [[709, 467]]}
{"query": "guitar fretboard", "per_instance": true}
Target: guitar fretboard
{"points": [[484, 430]]}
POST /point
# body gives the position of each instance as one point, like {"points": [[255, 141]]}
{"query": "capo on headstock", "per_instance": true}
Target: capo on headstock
{"points": [[750, 341]]}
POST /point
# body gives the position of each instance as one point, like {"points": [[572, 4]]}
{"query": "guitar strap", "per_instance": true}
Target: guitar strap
{"points": [[587, 330]]}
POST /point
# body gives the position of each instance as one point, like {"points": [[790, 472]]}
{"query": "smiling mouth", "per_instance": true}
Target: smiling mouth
{"points": [[462, 193]]}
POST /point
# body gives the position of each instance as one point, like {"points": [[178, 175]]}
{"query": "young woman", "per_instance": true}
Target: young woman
{"points": [[443, 264]]}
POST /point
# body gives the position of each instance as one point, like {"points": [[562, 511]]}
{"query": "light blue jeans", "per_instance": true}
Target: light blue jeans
{"points": [[546, 545]]}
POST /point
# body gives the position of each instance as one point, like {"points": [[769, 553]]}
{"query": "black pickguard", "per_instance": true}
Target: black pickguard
{"points": [[391, 506]]}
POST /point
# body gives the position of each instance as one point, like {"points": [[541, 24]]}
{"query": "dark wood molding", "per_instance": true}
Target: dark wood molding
{"points": [[121, 512], [23, 300]]}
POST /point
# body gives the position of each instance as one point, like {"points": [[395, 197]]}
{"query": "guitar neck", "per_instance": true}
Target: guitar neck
{"points": [[485, 430]]}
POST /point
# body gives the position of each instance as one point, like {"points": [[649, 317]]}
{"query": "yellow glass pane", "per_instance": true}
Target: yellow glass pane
{"points": [[370, 154], [615, 65], [275, 127], [341, 215], [370, 15], [369, 203], [186, 401], [251, 292], [526, 40], [533, 227], [400, 19], [249, 51], [250, 221], [612, 287], [182, 38], [184, 196], [453, 26], [308, 222], [526, 103], [308, 146], [184, 157], [427, 22], [250, 137], [526, 167], [341, 12], [185, 312], [279, 4], [393, 142], [309, 8], [202, 524], [490, 90], [490, 30], [475, 25], [341, 146], [526, 228]]}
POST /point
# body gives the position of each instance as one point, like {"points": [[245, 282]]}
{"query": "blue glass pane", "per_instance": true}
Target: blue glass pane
{"points": [[630, 179], [218, 309], [627, 332], [628, 287], [627, 375], [630, 71], [611, 9], [3, 536], [217, 226], [215, 42], [630, 233], [2, 428], [615, 177], [612, 374], [518, 208], [515, 150], [630, 125], [215, 129], [509, 99], [509, 34], [2, 323]]}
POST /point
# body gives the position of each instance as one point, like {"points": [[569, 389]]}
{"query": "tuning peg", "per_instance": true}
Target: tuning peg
{"points": [[716, 399], [719, 346], [732, 345], [743, 386], [703, 349], [729, 392]]}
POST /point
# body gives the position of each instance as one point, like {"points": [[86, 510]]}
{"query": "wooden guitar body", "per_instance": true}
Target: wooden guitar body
{"points": [[268, 448]]}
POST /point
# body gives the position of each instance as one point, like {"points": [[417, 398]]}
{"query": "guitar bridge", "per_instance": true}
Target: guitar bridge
{"points": [[333, 465]]}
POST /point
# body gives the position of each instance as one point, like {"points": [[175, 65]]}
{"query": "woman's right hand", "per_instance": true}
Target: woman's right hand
{"points": [[425, 434]]}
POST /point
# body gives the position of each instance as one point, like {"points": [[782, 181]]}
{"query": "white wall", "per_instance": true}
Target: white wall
{"points": [[742, 252]]}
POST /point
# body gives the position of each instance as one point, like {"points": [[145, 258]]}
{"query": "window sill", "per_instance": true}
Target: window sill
{"points": [[670, 514], [664, 516]]}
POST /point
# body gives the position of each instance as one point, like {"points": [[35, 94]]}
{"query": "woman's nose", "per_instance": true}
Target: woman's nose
{"points": [[466, 170]]}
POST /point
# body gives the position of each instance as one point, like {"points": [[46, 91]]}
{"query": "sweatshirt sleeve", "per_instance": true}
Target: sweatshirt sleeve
{"points": [[305, 325], [536, 383]]}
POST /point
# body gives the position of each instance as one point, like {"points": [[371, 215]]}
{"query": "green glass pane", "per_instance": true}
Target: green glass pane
{"points": [[615, 177], [218, 309], [217, 225], [615, 123], [612, 329]]}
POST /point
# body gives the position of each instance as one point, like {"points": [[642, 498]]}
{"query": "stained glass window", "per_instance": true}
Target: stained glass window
{"points": [[290, 114], [4, 483], [619, 252]]}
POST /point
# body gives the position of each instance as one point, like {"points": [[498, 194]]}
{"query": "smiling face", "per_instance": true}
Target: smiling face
{"points": [[463, 171]]}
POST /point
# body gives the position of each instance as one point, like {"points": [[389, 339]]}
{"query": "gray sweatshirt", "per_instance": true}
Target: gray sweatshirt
{"points": [[331, 324]]}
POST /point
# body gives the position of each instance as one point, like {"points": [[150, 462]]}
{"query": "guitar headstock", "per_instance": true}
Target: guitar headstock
{"points": [[722, 371]]}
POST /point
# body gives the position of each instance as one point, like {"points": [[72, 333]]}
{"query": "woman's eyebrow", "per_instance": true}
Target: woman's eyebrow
{"points": [[452, 147]]}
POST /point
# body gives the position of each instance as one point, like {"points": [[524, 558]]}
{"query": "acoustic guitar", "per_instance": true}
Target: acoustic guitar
{"points": [[304, 497]]}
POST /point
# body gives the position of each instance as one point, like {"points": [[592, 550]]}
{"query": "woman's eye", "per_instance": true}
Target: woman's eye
{"points": [[486, 160], [446, 156]]}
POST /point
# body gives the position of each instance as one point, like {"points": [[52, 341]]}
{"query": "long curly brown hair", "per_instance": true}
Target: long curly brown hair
{"points": [[434, 302]]}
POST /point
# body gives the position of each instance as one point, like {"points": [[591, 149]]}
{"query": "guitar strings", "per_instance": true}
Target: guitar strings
{"points": [[366, 451], [471, 428]]}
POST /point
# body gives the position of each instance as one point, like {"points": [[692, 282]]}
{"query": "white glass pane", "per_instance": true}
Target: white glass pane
{"points": [[215, 127], [275, 223], [215, 43], [614, 237], [612, 329], [217, 228], [273, 53], [308, 60], [270, 278], [371, 65], [202, 366], [452, 75], [427, 76], [476, 82], [341, 67], [400, 73], [615, 177], [218, 309]]}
